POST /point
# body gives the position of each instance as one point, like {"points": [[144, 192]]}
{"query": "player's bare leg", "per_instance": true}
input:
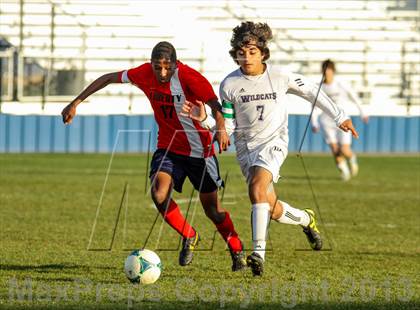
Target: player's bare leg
{"points": [[340, 161], [276, 207], [351, 157], [221, 218], [161, 189], [161, 194]]}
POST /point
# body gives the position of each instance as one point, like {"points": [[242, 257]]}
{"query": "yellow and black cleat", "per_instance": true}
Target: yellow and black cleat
{"points": [[312, 233]]}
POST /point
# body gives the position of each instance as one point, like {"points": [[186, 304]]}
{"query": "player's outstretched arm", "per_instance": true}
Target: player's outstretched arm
{"points": [[304, 88], [69, 111]]}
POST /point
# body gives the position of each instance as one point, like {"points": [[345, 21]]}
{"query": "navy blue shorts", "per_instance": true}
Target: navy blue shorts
{"points": [[202, 172]]}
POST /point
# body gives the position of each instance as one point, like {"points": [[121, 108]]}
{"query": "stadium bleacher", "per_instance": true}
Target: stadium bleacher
{"points": [[375, 44]]}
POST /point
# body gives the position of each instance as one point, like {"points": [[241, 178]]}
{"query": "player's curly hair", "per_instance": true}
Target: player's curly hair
{"points": [[328, 64], [249, 31]]}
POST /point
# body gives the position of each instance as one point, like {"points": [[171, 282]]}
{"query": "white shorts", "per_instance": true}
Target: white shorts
{"points": [[333, 134], [269, 156]]}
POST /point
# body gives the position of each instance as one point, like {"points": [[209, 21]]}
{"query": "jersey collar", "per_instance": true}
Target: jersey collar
{"points": [[255, 77]]}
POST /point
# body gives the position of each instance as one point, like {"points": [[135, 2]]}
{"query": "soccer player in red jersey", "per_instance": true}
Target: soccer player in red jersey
{"points": [[184, 147]]}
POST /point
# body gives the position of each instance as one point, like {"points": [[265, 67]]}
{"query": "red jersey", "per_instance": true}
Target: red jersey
{"points": [[178, 134]]}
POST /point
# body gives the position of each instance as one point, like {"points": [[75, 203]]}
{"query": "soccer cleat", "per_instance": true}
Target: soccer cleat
{"points": [[256, 262], [354, 168], [311, 231], [238, 260], [188, 246]]}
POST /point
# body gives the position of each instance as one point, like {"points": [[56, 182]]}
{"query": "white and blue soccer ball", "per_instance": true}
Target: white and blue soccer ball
{"points": [[143, 266]]}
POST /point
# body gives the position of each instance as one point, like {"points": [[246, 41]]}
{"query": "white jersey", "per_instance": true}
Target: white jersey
{"points": [[254, 107], [341, 94]]}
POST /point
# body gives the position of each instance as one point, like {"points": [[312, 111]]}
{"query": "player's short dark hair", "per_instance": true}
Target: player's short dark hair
{"points": [[328, 64], [250, 31], [164, 50]]}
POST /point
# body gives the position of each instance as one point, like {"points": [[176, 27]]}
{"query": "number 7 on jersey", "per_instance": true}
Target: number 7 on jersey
{"points": [[260, 108]]}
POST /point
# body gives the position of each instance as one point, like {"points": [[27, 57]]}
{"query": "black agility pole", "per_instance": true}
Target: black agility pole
{"points": [[299, 155]]}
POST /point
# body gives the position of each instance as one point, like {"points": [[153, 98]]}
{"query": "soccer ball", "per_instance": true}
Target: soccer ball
{"points": [[143, 266]]}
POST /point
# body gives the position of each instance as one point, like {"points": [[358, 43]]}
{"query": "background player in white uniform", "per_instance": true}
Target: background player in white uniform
{"points": [[254, 108], [338, 140]]}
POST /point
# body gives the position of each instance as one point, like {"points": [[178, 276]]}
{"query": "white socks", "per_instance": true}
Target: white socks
{"points": [[260, 218], [353, 160], [344, 169], [293, 216], [354, 167]]}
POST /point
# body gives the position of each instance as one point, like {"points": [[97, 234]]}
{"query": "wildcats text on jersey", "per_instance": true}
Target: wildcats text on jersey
{"points": [[269, 96]]}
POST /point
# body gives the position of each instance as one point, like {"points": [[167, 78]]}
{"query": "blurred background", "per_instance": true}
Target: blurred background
{"points": [[51, 49]]}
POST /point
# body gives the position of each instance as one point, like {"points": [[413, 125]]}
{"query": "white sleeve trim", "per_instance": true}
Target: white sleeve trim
{"points": [[227, 110], [124, 77]]}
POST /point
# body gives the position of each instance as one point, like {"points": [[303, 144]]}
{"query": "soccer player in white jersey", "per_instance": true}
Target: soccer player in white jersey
{"points": [[338, 140], [254, 107]]}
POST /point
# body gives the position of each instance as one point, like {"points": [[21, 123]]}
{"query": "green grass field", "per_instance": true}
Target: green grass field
{"points": [[48, 206]]}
